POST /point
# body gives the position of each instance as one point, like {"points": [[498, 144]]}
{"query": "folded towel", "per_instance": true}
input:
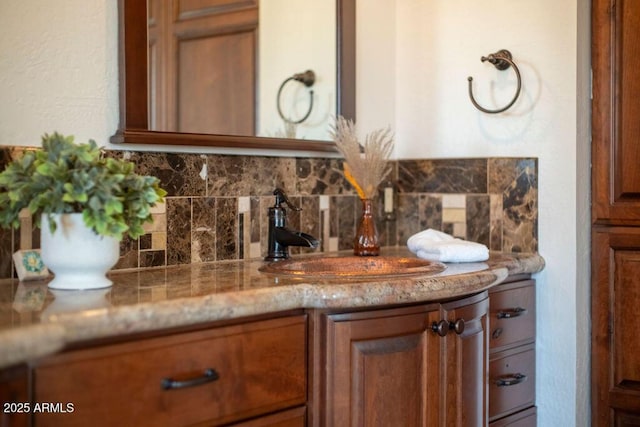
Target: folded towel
{"points": [[435, 245]]}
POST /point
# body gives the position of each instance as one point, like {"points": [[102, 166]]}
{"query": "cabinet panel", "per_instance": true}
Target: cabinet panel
{"points": [[14, 389], [399, 367], [615, 130], [376, 360], [526, 418], [512, 315], [261, 368], [466, 364], [292, 418], [615, 323], [512, 383]]}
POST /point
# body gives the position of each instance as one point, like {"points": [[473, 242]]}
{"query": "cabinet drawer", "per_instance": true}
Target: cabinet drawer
{"points": [[512, 381], [526, 418], [296, 417], [261, 368], [513, 320]]}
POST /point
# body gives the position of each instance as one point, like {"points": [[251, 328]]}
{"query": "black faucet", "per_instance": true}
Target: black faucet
{"points": [[280, 237]]}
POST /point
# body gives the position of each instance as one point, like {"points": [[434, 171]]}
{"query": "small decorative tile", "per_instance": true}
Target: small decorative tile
{"points": [[29, 265]]}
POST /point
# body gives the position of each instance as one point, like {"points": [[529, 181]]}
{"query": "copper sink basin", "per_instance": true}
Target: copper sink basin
{"points": [[352, 267]]}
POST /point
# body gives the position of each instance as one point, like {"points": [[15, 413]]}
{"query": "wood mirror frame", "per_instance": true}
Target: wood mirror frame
{"points": [[134, 117]]}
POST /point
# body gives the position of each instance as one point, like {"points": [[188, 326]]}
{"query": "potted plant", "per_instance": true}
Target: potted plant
{"points": [[69, 188]]}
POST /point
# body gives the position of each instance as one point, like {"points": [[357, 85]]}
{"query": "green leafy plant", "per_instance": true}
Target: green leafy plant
{"points": [[65, 177]]}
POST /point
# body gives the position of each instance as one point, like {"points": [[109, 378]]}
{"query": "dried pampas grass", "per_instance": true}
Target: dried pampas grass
{"points": [[365, 164]]}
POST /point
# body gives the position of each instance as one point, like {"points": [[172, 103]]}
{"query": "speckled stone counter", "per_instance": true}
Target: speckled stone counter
{"points": [[36, 321]]}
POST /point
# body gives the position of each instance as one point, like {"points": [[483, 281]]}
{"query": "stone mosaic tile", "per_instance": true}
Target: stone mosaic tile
{"points": [[408, 216], [128, 253], [520, 214], [321, 176], [443, 176], [478, 219], [496, 222], [203, 229], [430, 212], [256, 216], [179, 173], [249, 175], [152, 258], [226, 228], [502, 172], [5, 157], [145, 241], [344, 212], [310, 222], [6, 253], [178, 230]]}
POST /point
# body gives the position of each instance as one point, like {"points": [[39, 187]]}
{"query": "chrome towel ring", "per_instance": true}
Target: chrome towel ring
{"points": [[308, 78], [502, 61]]}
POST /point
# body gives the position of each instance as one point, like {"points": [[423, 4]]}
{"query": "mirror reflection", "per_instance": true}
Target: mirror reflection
{"points": [[242, 67]]}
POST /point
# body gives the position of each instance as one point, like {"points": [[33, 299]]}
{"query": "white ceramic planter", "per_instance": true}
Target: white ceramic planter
{"points": [[77, 256]]}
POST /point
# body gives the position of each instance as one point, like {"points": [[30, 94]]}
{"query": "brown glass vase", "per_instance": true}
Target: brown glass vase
{"points": [[366, 241]]}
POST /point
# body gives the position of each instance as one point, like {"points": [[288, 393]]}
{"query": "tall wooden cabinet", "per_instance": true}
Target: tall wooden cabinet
{"points": [[615, 281]]}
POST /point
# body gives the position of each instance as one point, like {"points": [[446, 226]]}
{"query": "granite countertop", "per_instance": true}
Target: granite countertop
{"points": [[36, 321]]}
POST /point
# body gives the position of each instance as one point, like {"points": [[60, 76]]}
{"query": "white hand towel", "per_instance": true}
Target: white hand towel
{"points": [[435, 245]]}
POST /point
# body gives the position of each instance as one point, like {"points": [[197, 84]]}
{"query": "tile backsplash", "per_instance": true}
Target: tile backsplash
{"points": [[216, 208]]}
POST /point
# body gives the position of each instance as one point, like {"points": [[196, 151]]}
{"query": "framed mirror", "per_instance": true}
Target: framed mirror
{"points": [[134, 87]]}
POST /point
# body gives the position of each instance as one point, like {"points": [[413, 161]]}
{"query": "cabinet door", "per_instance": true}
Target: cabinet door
{"points": [[615, 297], [615, 124], [393, 368], [467, 362], [382, 368]]}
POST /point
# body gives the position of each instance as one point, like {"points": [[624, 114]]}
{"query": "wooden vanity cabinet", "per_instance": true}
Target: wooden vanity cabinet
{"points": [[512, 331], [409, 366], [14, 395], [216, 376]]}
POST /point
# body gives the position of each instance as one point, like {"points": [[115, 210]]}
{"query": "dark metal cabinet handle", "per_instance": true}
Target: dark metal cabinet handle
{"points": [[511, 380], [457, 326], [496, 333], [511, 313], [441, 328], [209, 375]]}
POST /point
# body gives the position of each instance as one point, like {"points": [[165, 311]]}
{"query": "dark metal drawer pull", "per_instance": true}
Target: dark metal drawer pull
{"points": [[511, 380], [511, 313], [457, 326], [441, 328], [209, 375]]}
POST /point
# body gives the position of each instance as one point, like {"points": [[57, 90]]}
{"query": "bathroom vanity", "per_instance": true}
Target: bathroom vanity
{"points": [[224, 344]]}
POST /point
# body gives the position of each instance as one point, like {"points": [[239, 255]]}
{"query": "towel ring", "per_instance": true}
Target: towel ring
{"points": [[308, 78], [502, 61]]}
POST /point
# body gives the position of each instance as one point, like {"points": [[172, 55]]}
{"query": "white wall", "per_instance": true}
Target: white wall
{"points": [[438, 44], [58, 71], [295, 37]]}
